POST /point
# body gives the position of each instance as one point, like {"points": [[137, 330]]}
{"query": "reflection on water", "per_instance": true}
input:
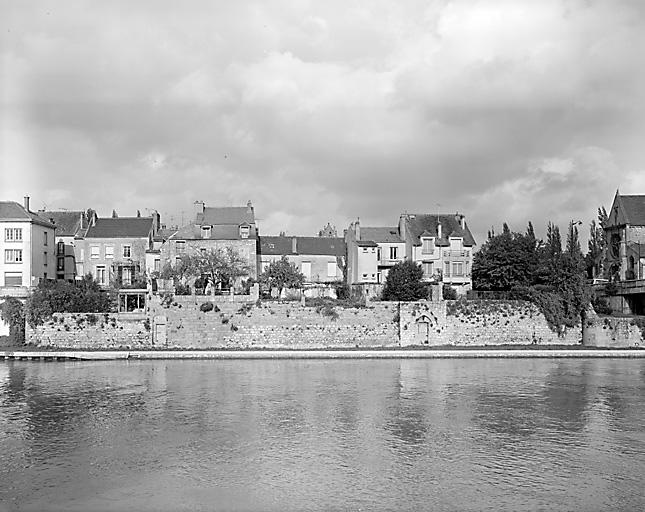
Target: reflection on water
{"points": [[323, 435]]}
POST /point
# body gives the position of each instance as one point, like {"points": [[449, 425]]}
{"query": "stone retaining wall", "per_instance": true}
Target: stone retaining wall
{"points": [[612, 332]]}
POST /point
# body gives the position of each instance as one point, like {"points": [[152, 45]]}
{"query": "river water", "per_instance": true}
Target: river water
{"points": [[504, 434]]}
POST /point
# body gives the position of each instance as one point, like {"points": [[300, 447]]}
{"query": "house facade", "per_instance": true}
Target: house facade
{"points": [[114, 250], [441, 243], [625, 235], [69, 226], [216, 228], [28, 249], [320, 259]]}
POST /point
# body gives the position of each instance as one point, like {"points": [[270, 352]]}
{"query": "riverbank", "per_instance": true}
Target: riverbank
{"points": [[434, 353]]}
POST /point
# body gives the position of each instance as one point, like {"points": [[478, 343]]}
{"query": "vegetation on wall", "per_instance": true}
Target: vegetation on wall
{"points": [[404, 282], [51, 297], [540, 271], [12, 312]]}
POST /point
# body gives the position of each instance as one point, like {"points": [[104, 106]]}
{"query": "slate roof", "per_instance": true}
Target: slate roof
{"points": [[305, 245], [10, 210], [67, 223], [226, 215], [381, 234], [164, 234], [121, 227], [634, 209], [218, 232], [418, 224]]}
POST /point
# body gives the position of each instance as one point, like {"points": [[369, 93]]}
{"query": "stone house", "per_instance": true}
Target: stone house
{"points": [[320, 259], [625, 235], [114, 250], [216, 228]]}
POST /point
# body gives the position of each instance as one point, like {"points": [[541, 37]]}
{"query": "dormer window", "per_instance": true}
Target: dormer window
{"points": [[428, 246], [245, 229], [206, 231]]}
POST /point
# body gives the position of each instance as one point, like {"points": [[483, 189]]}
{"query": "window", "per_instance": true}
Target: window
{"points": [[109, 252], [428, 246], [13, 256], [331, 269], [446, 271], [13, 278], [94, 252], [60, 248], [457, 268], [101, 274], [244, 231], [127, 251], [203, 251], [393, 251], [60, 264], [181, 246], [157, 266], [206, 231], [306, 269], [177, 260], [45, 258], [126, 276], [364, 249], [45, 238], [13, 234], [428, 269]]}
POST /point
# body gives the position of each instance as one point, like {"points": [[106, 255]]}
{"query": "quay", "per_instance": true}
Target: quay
{"points": [[483, 353]]}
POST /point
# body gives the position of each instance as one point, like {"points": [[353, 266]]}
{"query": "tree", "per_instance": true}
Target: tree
{"points": [[221, 267], [404, 282], [12, 312], [114, 214], [282, 274], [597, 245]]}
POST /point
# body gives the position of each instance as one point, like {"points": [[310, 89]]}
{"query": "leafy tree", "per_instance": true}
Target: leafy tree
{"points": [[221, 267], [404, 282], [597, 245], [282, 274], [12, 312]]}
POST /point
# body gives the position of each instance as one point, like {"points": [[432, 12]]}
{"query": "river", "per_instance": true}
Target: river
{"points": [[292, 435]]}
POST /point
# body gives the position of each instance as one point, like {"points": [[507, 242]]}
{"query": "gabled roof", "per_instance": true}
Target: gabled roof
{"points": [[305, 245], [381, 235], [68, 223], [121, 227], [421, 224], [10, 210], [235, 215], [627, 210]]}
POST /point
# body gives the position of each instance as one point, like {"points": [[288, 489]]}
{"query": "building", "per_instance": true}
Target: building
{"points": [[625, 235], [113, 250], [69, 226], [216, 228], [28, 249], [320, 259], [441, 243]]}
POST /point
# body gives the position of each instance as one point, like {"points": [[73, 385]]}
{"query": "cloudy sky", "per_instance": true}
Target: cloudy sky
{"points": [[505, 110]]}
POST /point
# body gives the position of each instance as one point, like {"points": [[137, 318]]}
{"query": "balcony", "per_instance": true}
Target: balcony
{"points": [[456, 254], [387, 262]]}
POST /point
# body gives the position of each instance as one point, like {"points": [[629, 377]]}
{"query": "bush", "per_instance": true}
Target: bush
{"points": [[206, 306], [343, 291], [601, 306], [449, 293], [182, 289], [12, 312], [404, 282]]}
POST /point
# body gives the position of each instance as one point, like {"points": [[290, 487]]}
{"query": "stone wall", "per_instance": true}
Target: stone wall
{"points": [[92, 330], [613, 332], [181, 324], [478, 323]]}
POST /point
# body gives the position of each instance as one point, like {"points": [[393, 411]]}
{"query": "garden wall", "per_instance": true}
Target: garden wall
{"points": [[478, 323], [613, 332]]}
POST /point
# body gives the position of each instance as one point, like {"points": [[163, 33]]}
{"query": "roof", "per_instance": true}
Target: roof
{"points": [[218, 232], [634, 209], [421, 224], [381, 235], [226, 215], [164, 233], [309, 245], [121, 227], [10, 210], [67, 223]]}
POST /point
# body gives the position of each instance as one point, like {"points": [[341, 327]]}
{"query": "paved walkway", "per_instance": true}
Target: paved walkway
{"points": [[315, 354]]}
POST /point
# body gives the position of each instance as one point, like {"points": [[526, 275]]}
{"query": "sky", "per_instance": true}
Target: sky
{"points": [[503, 110]]}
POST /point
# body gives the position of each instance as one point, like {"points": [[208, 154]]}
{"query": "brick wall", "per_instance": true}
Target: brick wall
{"points": [[478, 323], [91, 330]]}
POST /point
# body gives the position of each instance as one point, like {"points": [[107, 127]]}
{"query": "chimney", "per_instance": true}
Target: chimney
{"points": [[357, 229], [199, 207], [439, 233], [403, 228], [26, 203], [294, 245], [82, 217], [463, 222], [249, 207]]}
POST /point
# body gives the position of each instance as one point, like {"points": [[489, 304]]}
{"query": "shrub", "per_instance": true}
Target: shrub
{"points": [[343, 291], [404, 282], [206, 306], [449, 293], [601, 306], [182, 289], [12, 312]]}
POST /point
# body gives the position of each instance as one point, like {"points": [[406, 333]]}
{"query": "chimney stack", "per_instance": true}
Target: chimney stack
{"points": [[199, 208], [26, 203], [439, 233], [294, 245], [249, 207], [463, 222], [357, 229]]}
